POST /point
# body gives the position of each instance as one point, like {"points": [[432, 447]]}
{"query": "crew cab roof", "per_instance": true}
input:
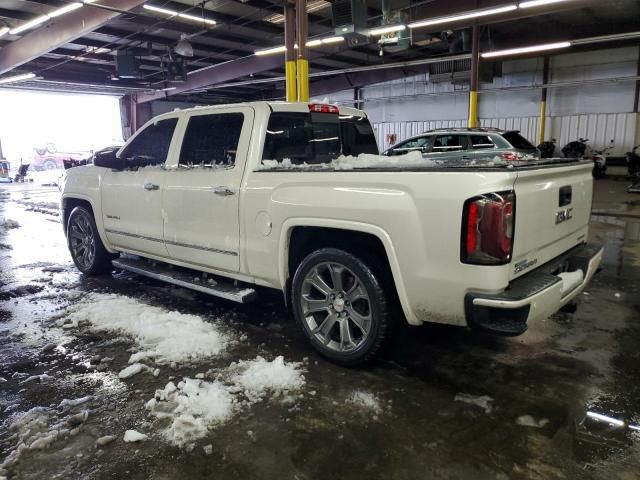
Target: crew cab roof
{"points": [[274, 106]]}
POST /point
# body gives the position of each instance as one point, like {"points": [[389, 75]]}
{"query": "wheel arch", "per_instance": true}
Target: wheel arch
{"points": [[68, 203], [299, 237]]}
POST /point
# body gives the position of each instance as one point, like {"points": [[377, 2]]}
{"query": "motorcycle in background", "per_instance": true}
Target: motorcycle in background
{"points": [[547, 148], [633, 167], [599, 158], [575, 149]]}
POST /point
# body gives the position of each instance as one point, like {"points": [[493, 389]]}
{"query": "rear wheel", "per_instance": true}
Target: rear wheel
{"points": [[87, 250], [340, 305]]}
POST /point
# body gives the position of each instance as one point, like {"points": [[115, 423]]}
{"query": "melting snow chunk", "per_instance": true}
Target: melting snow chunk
{"points": [[192, 407], [571, 280], [259, 377], [366, 400], [529, 421], [485, 402], [131, 370], [134, 436]]}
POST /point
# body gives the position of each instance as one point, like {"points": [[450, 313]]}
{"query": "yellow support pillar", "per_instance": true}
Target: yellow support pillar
{"points": [[543, 121], [303, 80], [473, 109], [543, 101], [475, 73], [303, 62], [290, 53]]}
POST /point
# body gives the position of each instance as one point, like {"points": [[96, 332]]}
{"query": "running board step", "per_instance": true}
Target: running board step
{"points": [[185, 278]]}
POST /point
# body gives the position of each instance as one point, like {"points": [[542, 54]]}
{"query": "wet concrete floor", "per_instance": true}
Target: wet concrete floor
{"points": [[451, 403]]}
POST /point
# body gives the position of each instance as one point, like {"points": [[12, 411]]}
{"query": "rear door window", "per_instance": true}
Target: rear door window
{"points": [[517, 140], [479, 142], [212, 140], [448, 143]]}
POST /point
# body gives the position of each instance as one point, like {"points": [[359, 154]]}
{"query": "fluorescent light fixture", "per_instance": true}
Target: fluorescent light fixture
{"points": [[389, 29], [66, 9], [464, 16], [175, 13], [30, 24], [194, 18], [314, 43], [328, 40], [4, 30], [532, 48], [160, 10], [606, 38], [538, 3], [17, 78], [166, 89], [604, 418], [43, 18], [634, 427], [270, 51]]}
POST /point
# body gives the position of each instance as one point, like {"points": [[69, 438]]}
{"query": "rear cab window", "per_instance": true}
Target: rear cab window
{"points": [[316, 138]]}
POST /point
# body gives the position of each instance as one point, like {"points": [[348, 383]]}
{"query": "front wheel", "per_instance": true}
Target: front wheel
{"points": [[340, 305], [87, 250]]}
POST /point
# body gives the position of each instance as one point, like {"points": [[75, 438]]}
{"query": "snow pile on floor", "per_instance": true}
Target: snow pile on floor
{"points": [[36, 430], [365, 401], [260, 377], [163, 336], [571, 280], [131, 436], [364, 160], [8, 223], [193, 406], [484, 402]]}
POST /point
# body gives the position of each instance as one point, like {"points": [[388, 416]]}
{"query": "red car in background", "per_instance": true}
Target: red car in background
{"points": [[48, 158]]}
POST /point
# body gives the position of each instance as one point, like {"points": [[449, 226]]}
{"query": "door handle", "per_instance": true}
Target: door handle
{"points": [[151, 186], [466, 157], [222, 190]]}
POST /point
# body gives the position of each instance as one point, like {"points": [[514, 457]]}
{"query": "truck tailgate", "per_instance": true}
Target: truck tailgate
{"points": [[553, 207]]}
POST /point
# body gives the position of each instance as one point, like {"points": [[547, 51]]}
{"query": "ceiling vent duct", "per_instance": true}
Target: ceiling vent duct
{"points": [[459, 71], [349, 16], [394, 14], [127, 64]]}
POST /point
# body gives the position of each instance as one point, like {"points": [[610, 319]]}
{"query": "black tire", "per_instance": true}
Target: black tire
{"points": [[303, 292], [49, 164], [84, 243]]}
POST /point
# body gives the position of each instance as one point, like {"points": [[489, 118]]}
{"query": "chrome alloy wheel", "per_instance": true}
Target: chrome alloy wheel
{"points": [[82, 240], [336, 306]]}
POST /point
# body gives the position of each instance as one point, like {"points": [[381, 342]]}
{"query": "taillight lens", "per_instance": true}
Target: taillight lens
{"points": [[488, 226], [512, 156], [323, 108]]}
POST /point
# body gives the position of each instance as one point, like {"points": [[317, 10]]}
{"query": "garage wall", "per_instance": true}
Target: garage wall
{"points": [[600, 112]]}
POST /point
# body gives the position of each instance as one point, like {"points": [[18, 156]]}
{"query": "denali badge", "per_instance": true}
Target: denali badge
{"points": [[524, 264], [564, 215]]}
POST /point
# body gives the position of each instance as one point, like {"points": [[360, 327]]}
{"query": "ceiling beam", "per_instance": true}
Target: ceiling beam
{"points": [[59, 31]]}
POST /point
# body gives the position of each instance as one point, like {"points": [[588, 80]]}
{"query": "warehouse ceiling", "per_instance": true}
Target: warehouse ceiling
{"points": [[67, 53]]}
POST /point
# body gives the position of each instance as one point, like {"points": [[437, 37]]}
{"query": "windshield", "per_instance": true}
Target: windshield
{"points": [[316, 138]]}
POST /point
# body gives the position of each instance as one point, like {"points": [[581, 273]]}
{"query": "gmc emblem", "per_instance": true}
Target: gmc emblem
{"points": [[564, 215]]}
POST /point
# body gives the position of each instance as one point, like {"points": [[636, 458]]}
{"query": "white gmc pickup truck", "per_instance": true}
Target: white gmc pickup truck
{"points": [[293, 196]]}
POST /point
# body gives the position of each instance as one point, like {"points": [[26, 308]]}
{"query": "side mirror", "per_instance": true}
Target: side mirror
{"points": [[107, 158]]}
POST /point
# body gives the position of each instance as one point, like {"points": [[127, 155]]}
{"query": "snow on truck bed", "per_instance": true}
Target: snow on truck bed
{"points": [[408, 161]]}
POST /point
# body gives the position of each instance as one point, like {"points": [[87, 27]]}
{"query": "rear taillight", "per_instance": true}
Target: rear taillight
{"points": [[512, 156], [487, 229]]}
